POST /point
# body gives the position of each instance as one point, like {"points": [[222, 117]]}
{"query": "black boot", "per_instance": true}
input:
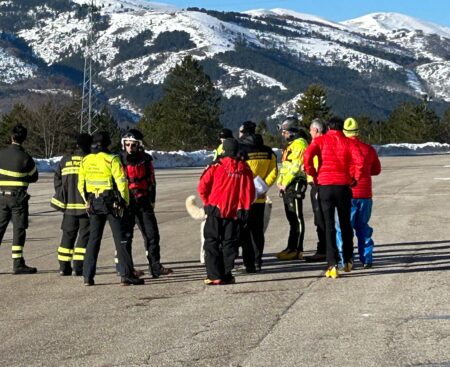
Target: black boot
{"points": [[65, 269], [19, 267], [132, 280], [77, 268]]}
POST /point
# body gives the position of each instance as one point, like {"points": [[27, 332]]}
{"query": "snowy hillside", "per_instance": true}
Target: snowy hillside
{"points": [[265, 58], [13, 69]]}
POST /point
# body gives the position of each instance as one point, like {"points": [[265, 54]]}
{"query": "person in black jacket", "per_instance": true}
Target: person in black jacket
{"points": [[17, 171], [140, 173], [68, 199]]}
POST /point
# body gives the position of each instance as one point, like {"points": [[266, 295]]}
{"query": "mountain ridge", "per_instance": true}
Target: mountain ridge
{"points": [[258, 59]]}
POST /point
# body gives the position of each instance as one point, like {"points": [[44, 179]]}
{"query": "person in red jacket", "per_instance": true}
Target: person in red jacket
{"points": [[227, 191], [340, 166], [140, 174], [362, 197]]}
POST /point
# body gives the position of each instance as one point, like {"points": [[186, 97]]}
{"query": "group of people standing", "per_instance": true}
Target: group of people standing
{"points": [[92, 186], [336, 165]]}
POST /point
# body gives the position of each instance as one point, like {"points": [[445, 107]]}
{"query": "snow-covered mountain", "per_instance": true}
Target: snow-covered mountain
{"points": [[260, 60]]}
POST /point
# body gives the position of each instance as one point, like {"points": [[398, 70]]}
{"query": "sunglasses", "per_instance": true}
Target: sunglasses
{"points": [[132, 145]]}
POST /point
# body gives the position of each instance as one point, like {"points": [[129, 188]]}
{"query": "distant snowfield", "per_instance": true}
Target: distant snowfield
{"points": [[201, 158]]}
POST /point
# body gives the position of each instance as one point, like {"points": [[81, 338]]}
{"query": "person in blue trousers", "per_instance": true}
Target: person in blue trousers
{"points": [[361, 209]]}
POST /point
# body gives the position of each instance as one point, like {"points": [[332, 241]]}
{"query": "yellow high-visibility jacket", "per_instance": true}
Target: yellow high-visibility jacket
{"points": [[218, 151], [99, 172], [292, 162]]}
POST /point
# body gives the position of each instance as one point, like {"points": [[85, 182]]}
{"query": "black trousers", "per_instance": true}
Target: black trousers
{"points": [[101, 214], [252, 236], [143, 214], [332, 198], [221, 246], [75, 228], [293, 207], [318, 220], [15, 208]]}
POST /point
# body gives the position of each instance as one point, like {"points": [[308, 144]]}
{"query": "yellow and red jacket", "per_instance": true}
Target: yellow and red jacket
{"points": [[292, 162]]}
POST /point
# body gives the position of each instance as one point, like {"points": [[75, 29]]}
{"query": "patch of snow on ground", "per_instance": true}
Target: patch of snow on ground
{"points": [[243, 78], [201, 158], [287, 108], [52, 91], [12, 69], [436, 75], [414, 82]]}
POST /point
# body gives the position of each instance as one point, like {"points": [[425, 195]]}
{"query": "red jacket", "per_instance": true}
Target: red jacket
{"points": [[340, 160], [372, 167], [227, 189]]}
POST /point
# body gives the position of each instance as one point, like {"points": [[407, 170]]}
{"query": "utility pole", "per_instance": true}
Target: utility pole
{"points": [[87, 99]]}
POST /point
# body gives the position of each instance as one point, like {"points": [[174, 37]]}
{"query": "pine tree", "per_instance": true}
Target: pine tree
{"points": [[18, 114], [313, 104], [187, 117], [413, 123], [445, 127]]}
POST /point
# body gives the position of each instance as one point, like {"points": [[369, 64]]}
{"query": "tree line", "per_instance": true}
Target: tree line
{"points": [[187, 117]]}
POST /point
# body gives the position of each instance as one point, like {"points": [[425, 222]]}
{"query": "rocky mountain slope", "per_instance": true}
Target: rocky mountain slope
{"points": [[260, 60]]}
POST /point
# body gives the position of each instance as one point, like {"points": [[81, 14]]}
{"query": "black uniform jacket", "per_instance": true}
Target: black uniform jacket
{"points": [[67, 198], [17, 169]]}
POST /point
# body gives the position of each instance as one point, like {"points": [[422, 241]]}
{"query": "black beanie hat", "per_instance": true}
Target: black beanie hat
{"points": [[248, 127], [230, 147], [225, 134], [101, 138], [84, 141]]}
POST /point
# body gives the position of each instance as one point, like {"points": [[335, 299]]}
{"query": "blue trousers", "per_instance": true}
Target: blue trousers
{"points": [[360, 215]]}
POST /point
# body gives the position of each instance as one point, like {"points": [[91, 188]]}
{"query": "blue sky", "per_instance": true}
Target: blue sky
{"points": [[437, 11]]}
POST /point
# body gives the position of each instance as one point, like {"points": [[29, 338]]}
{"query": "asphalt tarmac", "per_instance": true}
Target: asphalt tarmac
{"points": [[395, 314]]}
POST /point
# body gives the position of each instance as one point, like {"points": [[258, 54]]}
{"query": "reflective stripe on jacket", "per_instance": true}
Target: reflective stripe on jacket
{"points": [[292, 162], [100, 172], [262, 161], [17, 168], [67, 198]]}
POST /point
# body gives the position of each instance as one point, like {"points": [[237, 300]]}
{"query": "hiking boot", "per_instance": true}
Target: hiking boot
{"points": [[138, 273], [229, 280], [208, 281], [278, 254], [88, 282], [332, 272], [126, 281], [162, 271], [19, 267], [315, 258], [348, 266], [287, 255]]}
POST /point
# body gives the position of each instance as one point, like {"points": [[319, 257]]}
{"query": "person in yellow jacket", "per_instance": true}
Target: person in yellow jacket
{"points": [[263, 163], [104, 187], [292, 185]]}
